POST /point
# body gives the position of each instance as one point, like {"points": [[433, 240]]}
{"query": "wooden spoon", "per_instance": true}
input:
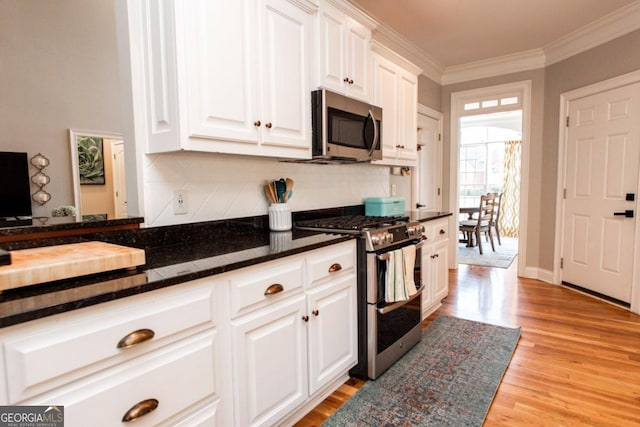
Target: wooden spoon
{"points": [[289, 188], [268, 191]]}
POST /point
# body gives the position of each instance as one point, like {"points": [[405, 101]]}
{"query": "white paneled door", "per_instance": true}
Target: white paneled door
{"points": [[427, 182], [603, 153]]}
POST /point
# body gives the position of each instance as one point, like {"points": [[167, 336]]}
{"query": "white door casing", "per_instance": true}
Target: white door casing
{"points": [[458, 100], [119, 180], [602, 153]]}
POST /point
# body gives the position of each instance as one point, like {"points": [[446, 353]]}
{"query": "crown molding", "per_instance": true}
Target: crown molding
{"points": [[607, 28], [355, 12], [614, 25], [306, 5], [394, 41], [507, 64], [392, 55]]}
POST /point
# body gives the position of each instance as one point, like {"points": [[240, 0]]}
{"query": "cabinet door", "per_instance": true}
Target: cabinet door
{"points": [[441, 270], [358, 61], [428, 294], [332, 331], [331, 49], [386, 96], [221, 69], [284, 47], [407, 120], [154, 54], [270, 362]]}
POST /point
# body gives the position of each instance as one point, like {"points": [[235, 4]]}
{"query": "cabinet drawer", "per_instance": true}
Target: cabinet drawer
{"points": [[440, 230], [259, 286], [178, 377], [53, 351], [436, 230], [331, 261]]}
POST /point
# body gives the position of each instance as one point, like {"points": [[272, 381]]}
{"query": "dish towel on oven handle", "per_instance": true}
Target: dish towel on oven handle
{"points": [[399, 284]]}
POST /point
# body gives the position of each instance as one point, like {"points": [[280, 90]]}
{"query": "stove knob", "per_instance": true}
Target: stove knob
{"points": [[389, 237], [375, 239]]}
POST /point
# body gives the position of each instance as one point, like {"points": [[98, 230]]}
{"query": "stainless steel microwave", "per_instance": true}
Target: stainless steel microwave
{"points": [[345, 130]]}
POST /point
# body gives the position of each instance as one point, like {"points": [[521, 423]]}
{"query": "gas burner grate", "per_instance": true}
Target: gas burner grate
{"points": [[353, 222]]}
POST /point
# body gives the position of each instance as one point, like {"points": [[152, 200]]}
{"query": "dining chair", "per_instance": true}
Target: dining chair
{"points": [[481, 224], [495, 222]]}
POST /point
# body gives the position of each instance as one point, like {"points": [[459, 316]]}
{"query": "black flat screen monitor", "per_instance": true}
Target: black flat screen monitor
{"points": [[15, 190]]}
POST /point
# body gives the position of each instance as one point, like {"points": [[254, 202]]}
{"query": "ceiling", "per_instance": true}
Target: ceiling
{"points": [[456, 32]]}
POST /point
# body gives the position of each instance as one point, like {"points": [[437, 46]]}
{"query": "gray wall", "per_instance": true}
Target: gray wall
{"points": [[429, 93], [58, 71]]}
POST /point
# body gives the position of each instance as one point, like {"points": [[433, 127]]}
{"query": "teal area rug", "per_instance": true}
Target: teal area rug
{"points": [[448, 379]]}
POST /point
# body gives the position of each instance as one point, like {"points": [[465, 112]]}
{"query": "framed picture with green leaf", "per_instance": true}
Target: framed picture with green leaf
{"points": [[90, 160]]}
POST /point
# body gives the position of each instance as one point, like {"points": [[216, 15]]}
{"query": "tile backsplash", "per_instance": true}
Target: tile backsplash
{"points": [[221, 186]]}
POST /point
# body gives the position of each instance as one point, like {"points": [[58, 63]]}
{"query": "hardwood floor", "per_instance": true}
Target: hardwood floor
{"points": [[577, 362]]}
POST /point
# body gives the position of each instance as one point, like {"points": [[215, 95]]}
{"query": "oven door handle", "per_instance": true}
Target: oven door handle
{"points": [[385, 256], [389, 308]]}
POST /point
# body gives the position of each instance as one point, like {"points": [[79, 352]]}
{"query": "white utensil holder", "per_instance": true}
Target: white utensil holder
{"points": [[279, 217]]}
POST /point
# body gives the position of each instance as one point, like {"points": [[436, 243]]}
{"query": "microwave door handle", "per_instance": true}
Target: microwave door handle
{"points": [[375, 133]]}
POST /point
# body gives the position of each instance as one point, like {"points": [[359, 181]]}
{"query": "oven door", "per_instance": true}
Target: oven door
{"points": [[393, 328]]}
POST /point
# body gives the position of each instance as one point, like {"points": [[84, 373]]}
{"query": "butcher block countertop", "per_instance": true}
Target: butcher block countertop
{"points": [[51, 263]]}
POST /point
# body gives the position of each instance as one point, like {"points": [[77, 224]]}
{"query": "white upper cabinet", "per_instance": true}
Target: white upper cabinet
{"points": [[223, 76], [396, 91], [344, 54]]}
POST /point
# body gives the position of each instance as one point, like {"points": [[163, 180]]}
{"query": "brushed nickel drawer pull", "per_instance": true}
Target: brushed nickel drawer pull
{"points": [[335, 267], [276, 288], [140, 409], [136, 337]]}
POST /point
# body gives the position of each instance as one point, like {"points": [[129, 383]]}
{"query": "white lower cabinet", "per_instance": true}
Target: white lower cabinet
{"points": [[332, 331], [154, 356], [270, 362], [435, 263], [288, 352], [253, 346], [167, 383]]}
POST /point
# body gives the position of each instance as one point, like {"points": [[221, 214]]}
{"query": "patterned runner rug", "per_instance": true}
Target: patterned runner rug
{"points": [[448, 379]]}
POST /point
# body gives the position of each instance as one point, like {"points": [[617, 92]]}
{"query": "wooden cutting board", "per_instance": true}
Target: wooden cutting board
{"points": [[45, 264]]}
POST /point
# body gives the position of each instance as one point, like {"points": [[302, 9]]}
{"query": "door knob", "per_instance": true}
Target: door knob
{"points": [[627, 214]]}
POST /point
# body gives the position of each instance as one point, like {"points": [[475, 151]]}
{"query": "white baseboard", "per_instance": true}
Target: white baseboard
{"points": [[539, 274]]}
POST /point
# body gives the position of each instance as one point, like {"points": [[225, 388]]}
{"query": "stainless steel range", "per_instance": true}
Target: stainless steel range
{"points": [[386, 330]]}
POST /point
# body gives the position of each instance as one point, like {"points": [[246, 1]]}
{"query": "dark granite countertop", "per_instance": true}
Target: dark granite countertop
{"points": [[174, 255], [423, 216]]}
